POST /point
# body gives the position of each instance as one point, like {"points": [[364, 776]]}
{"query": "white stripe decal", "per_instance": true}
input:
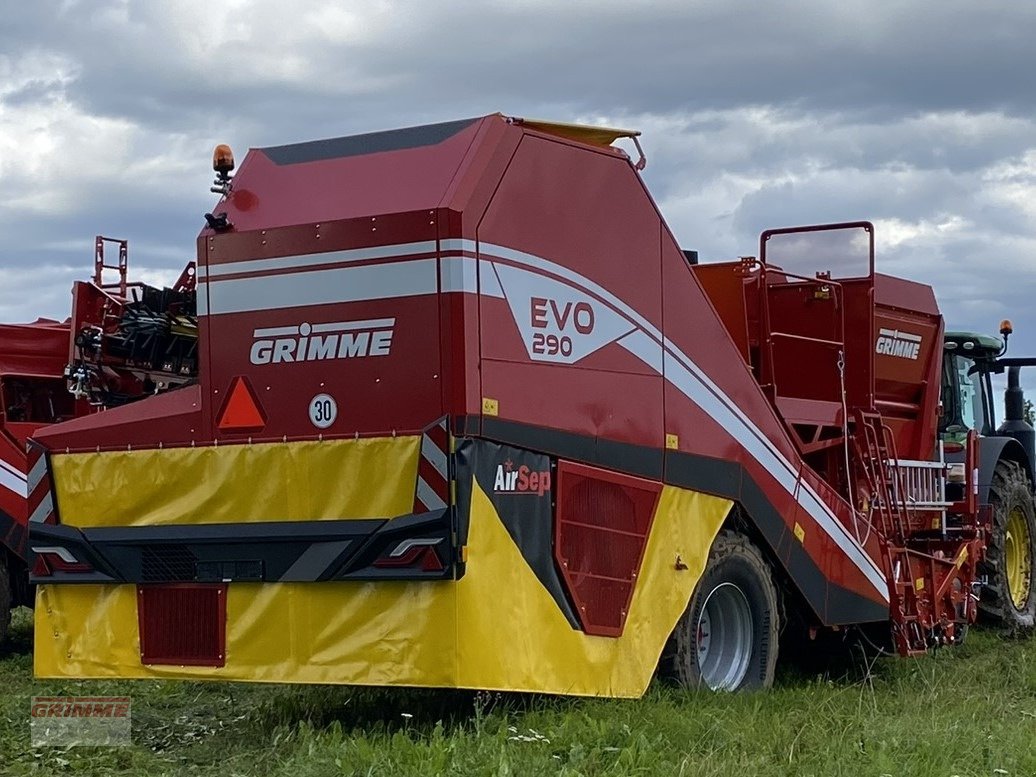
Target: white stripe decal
{"points": [[11, 469], [324, 287], [214, 271], [428, 497], [11, 482], [44, 509], [276, 331], [431, 453], [39, 469], [337, 326], [414, 277], [644, 348], [354, 326], [489, 280], [458, 274], [13, 479], [896, 334]]}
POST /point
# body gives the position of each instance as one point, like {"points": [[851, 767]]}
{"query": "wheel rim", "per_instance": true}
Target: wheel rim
{"points": [[1017, 558], [724, 638]]}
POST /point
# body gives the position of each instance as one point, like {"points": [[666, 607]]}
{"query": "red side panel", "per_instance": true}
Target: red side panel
{"points": [[338, 313], [584, 212]]}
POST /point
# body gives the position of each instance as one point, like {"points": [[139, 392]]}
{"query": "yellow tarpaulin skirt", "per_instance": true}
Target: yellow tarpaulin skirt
{"points": [[496, 628]]}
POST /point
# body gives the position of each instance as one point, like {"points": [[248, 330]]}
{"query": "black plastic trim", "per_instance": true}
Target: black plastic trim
{"points": [[283, 551], [370, 143]]}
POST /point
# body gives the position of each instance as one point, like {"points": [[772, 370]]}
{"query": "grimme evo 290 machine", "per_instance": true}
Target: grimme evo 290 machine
{"points": [[467, 416], [123, 341]]}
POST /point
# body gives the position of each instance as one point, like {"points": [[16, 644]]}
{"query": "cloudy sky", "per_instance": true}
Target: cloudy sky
{"points": [[916, 115]]}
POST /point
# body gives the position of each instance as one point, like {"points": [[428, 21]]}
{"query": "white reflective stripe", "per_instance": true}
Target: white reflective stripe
{"points": [[201, 298], [324, 287], [458, 273], [644, 348], [353, 326], [45, 508], [39, 469], [12, 481], [414, 277], [437, 458], [458, 244], [12, 469], [900, 335], [488, 280], [336, 326], [428, 497], [62, 553], [421, 542], [276, 331], [214, 271]]}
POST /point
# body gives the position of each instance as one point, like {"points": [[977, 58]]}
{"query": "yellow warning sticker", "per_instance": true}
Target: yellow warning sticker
{"points": [[672, 442], [919, 584], [961, 557], [490, 406], [800, 533]]}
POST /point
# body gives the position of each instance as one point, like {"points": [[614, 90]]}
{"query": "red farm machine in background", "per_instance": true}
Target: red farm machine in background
{"points": [[469, 417], [123, 341], [850, 360], [33, 358]]}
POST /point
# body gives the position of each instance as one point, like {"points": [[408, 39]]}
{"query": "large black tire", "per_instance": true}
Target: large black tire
{"points": [[5, 597], [727, 638], [1008, 599]]}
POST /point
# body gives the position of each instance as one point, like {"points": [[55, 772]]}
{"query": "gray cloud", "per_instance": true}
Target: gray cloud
{"points": [[916, 116]]}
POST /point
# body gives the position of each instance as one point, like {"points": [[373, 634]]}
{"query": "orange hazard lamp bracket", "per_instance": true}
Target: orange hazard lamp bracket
{"points": [[241, 411]]}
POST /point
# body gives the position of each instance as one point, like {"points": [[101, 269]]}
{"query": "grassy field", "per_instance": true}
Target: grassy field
{"points": [[966, 711]]}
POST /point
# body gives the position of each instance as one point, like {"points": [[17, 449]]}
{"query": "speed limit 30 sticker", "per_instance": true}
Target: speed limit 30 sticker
{"points": [[323, 410]]}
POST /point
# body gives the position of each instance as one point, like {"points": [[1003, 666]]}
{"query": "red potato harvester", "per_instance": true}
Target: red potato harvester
{"points": [[467, 416]]}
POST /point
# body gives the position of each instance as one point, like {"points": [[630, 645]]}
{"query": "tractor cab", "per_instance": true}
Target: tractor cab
{"points": [[1007, 454], [967, 394]]}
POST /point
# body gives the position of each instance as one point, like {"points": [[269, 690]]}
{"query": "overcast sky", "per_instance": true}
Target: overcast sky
{"points": [[918, 116]]}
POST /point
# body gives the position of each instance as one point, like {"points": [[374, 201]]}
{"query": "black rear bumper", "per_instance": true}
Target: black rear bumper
{"points": [[407, 547]]}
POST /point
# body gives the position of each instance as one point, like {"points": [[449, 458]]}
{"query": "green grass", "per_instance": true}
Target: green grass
{"points": [[964, 711]]}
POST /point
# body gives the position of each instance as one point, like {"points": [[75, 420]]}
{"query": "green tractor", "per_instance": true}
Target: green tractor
{"points": [[1006, 456]]}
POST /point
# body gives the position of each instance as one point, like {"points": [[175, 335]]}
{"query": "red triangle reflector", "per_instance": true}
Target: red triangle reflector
{"points": [[241, 409]]}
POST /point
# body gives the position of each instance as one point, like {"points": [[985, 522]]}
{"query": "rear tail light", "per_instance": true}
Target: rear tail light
{"points": [[419, 553], [49, 560]]}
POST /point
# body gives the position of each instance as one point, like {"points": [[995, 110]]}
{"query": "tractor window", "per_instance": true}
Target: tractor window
{"points": [[963, 406]]}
